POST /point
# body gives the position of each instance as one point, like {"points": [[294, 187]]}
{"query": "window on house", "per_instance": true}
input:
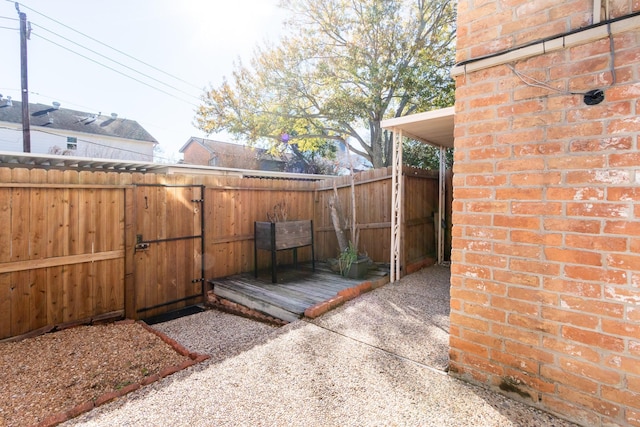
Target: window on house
{"points": [[72, 143]]}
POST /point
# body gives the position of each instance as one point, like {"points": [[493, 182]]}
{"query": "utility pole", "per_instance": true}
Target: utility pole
{"points": [[26, 131]]}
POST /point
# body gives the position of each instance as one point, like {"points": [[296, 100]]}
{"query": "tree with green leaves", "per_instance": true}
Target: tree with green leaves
{"points": [[342, 68]]}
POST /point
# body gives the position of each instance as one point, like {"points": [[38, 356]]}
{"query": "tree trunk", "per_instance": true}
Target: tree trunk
{"points": [[336, 219]]}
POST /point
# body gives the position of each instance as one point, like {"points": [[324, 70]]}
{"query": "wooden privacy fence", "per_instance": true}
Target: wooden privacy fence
{"points": [[79, 246]]}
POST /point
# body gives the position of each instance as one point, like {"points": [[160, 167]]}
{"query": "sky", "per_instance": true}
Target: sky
{"points": [[196, 41]]}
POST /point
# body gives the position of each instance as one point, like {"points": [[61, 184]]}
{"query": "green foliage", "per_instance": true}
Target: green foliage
{"points": [[342, 68], [424, 156], [347, 258]]}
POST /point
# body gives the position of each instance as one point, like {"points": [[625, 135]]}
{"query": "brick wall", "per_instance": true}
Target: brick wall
{"points": [[196, 154], [545, 296]]}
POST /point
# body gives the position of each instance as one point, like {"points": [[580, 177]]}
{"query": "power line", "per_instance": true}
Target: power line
{"points": [[117, 62], [112, 48], [115, 70]]}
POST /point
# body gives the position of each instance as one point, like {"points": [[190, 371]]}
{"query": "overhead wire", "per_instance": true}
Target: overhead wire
{"points": [[113, 60], [111, 47], [115, 70], [138, 80]]}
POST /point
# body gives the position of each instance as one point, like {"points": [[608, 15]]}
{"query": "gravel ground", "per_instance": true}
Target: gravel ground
{"points": [[308, 374], [409, 318]]}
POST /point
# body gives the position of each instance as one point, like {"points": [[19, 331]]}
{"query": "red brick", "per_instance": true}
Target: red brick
{"points": [[573, 131], [534, 324], [518, 193], [517, 221], [590, 370], [484, 180], [517, 334], [515, 139], [488, 286], [600, 243], [523, 364], [602, 210], [572, 225], [594, 403], [595, 274], [627, 262], [169, 370], [534, 164], [537, 267], [470, 296], [571, 349], [570, 317], [577, 162], [105, 398], [577, 413], [517, 250], [626, 125], [575, 193], [578, 289], [80, 409], [486, 233], [482, 364], [560, 376], [573, 256], [533, 295], [601, 176], [536, 178], [603, 144], [512, 278], [525, 236], [595, 339], [632, 417], [485, 260], [471, 219], [484, 312], [618, 194], [469, 322], [482, 339], [596, 307], [629, 365], [633, 383], [473, 271], [536, 208], [468, 347], [624, 160], [473, 193]]}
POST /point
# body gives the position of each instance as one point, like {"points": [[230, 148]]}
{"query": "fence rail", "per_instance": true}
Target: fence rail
{"points": [[68, 239]]}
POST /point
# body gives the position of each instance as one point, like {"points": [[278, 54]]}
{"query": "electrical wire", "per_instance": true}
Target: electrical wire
{"points": [[533, 82], [9, 28], [111, 47], [117, 62], [115, 70]]}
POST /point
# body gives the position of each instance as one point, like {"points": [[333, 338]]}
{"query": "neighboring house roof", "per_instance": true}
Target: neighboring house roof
{"points": [[219, 148], [47, 116]]}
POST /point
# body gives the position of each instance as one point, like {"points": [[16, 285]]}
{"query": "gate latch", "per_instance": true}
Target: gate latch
{"points": [[140, 245]]}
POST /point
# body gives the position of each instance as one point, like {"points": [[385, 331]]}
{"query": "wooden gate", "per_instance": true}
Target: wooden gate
{"points": [[168, 262]]}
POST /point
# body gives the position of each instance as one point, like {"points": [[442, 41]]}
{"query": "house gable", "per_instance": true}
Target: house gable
{"points": [[201, 151], [59, 130]]}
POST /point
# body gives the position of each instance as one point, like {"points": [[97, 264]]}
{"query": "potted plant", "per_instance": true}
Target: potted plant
{"points": [[351, 265]]}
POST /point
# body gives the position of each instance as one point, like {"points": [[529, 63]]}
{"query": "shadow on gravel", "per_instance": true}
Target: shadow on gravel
{"points": [[409, 318]]}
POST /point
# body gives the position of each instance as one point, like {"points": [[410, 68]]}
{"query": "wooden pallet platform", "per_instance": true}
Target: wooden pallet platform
{"points": [[296, 290]]}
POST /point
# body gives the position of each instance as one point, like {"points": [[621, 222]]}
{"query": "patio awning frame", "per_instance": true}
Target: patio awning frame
{"points": [[433, 128]]}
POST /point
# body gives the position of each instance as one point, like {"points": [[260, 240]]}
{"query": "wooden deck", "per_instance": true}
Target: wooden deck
{"points": [[296, 290]]}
